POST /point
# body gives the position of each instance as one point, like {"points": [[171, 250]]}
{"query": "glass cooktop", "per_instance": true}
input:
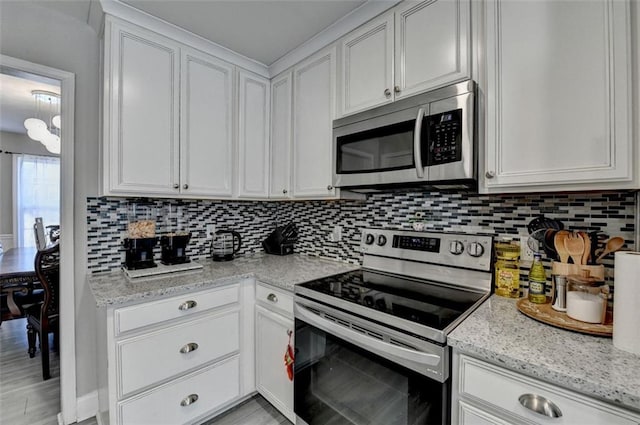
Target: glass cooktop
{"points": [[427, 303]]}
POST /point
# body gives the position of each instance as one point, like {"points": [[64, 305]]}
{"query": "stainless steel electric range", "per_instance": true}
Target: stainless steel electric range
{"points": [[371, 345]]}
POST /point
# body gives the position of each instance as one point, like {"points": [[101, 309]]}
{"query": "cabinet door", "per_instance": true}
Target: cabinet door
{"points": [[432, 45], [141, 111], [558, 100], [281, 128], [207, 125], [272, 381], [471, 415], [366, 69], [314, 100], [253, 136]]}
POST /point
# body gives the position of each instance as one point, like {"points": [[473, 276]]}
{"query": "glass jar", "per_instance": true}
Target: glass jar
{"points": [[586, 299], [507, 270]]}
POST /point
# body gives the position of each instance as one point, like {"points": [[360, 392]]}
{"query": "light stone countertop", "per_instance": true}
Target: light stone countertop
{"points": [[281, 271], [498, 333]]}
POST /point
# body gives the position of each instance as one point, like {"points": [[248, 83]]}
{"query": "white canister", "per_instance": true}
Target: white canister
{"points": [[586, 301]]}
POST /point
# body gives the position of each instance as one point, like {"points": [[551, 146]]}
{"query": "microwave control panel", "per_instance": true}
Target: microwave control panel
{"points": [[445, 137]]}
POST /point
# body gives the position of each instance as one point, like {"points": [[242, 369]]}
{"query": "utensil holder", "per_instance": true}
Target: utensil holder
{"points": [[566, 269]]}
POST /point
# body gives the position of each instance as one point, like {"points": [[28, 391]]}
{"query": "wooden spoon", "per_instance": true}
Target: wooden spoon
{"points": [[558, 241], [587, 247], [612, 245], [574, 244]]}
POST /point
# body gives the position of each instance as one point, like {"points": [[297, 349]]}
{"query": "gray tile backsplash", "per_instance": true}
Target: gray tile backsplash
{"points": [[502, 215]]}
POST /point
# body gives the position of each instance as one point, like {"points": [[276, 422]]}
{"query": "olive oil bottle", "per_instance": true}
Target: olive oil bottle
{"points": [[537, 281]]}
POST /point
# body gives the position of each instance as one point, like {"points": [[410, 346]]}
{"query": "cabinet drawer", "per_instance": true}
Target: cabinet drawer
{"points": [[502, 388], [146, 359], [275, 299], [137, 316], [213, 386]]}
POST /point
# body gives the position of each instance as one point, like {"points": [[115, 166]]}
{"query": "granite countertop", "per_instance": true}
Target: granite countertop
{"points": [[281, 271], [499, 333]]}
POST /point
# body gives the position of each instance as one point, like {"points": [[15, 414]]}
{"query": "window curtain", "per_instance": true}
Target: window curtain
{"points": [[36, 194]]}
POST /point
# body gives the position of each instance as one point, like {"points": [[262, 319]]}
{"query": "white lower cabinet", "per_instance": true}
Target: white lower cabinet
{"points": [[273, 325], [483, 393], [192, 358]]}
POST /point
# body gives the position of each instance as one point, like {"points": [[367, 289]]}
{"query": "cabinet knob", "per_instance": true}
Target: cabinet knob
{"points": [[329, 187], [284, 191], [489, 174], [176, 186], [272, 298], [387, 92], [190, 399], [185, 186], [187, 348], [540, 405], [187, 305], [396, 89]]}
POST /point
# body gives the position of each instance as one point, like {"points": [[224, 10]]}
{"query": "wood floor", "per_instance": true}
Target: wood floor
{"points": [[25, 399], [255, 411]]}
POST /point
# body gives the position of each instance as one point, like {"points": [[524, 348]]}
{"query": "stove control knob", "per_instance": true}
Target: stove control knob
{"points": [[382, 239], [456, 247], [476, 249], [369, 239]]}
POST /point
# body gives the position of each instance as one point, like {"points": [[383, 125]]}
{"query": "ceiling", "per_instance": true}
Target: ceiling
{"points": [[16, 102], [263, 30]]}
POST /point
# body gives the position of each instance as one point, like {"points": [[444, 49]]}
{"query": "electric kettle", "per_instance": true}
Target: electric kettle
{"points": [[223, 246]]}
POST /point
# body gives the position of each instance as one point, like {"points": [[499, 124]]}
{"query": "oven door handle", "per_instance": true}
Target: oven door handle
{"points": [[417, 144], [382, 348]]}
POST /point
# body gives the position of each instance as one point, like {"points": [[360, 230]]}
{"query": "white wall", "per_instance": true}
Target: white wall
{"points": [[38, 34]]}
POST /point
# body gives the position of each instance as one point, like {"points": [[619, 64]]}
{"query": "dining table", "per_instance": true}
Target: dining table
{"points": [[17, 274]]}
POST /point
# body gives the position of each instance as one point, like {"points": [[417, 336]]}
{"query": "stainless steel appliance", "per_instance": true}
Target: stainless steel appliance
{"points": [[427, 139], [223, 245], [371, 345]]}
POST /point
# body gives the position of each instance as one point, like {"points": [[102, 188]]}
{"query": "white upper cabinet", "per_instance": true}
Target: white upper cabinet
{"points": [[558, 96], [313, 113], [141, 104], [168, 117], [206, 125], [432, 44], [366, 70], [253, 135], [416, 47], [281, 129]]}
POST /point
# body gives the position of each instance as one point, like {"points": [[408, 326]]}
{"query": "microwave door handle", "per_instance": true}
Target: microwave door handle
{"points": [[417, 145]]}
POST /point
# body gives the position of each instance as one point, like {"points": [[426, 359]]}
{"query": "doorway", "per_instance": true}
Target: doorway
{"points": [[66, 80]]}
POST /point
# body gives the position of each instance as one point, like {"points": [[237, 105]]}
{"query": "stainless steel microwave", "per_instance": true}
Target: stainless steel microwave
{"points": [[427, 139]]}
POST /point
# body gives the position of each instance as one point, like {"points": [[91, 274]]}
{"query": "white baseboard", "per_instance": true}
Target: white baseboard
{"points": [[7, 241], [60, 420], [87, 406]]}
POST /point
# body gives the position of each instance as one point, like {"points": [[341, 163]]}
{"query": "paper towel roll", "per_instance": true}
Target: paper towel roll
{"points": [[626, 302]]}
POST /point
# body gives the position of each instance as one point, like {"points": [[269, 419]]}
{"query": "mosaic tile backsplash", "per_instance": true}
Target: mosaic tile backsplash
{"points": [[500, 215]]}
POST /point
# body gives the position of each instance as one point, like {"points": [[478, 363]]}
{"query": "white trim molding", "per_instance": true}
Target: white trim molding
{"points": [[7, 241], [67, 264]]}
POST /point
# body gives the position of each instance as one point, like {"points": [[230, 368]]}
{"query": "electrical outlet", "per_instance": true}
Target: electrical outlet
{"points": [[336, 234], [526, 254], [211, 230]]}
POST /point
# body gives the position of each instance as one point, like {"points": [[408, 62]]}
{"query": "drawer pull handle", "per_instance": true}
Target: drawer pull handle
{"points": [[187, 305], [272, 298], [190, 399], [192, 346], [540, 405]]}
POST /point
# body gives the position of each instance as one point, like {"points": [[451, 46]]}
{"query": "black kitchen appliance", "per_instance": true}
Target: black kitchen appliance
{"points": [[371, 344], [174, 248], [223, 246], [139, 253], [281, 240]]}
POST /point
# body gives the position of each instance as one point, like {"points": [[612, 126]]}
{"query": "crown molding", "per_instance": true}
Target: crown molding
{"points": [[343, 26], [164, 28]]}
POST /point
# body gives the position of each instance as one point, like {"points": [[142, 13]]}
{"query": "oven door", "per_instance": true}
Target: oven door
{"points": [[347, 376]]}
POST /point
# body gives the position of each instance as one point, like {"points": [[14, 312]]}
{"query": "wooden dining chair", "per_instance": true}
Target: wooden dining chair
{"points": [[42, 318]]}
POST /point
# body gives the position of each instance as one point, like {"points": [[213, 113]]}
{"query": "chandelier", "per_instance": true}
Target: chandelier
{"points": [[45, 126]]}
